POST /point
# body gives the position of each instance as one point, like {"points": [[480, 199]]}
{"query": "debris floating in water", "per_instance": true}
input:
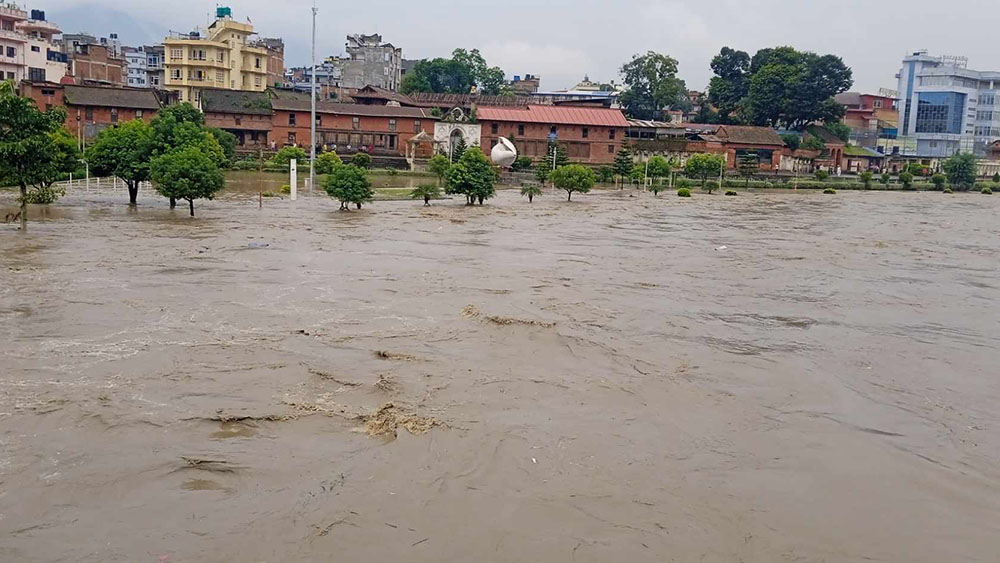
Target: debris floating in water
{"points": [[256, 244]]}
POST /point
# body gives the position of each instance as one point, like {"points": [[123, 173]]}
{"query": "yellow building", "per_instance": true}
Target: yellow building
{"points": [[223, 59]]}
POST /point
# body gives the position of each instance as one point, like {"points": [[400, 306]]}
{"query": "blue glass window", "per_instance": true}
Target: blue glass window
{"points": [[940, 112]]}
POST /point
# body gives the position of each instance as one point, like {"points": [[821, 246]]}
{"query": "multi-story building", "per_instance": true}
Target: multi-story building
{"points": [[946, 108], [93, 60], [154, 65], [871, 117], [369, 62], [27, 46], [91, 109], [275, 60], [136, 64], [13, 43], [527, 85], [223, 58]]}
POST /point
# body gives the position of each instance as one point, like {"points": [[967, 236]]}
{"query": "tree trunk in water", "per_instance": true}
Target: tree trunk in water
{"points": [[569, 196], [480, 200], [358, 204], [133, 192], [24, 208], [531, 197], [427, 200], [191, 206], [173, 202]]}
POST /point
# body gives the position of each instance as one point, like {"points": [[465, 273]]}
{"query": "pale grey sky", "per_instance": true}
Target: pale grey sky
{"points": [[562, 40]]}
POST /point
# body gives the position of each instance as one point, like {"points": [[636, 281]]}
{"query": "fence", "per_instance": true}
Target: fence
{"points": [[94, 185]]}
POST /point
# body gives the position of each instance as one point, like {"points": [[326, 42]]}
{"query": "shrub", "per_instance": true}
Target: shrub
{"points": [[286, 189], [286, 154], [938, 180], [327, 162], [606, 174], [361, 160], [948, 191], [531, 191], [44, 195], [521, 163], [768, 185], [829, 191], [683, 192], [731, 192], [426, 192], [996, 178], [986, 191], [711, 185], [245, 165], [866, 178], [884, 179], [822, 175], [268, 194], [906, 179]]}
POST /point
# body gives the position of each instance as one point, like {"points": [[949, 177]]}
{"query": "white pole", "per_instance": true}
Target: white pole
{"points": [[87, 165], [312, 97], [293, 180]]}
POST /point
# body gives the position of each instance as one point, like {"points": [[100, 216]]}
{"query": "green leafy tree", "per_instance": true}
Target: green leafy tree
{"points": [[573, 178], [27, 151], [542, 172], [455, 75], [605, 174], [226, 140], [285, 155], [623, 163], [562, 159], [866, 178], [63, 159], [439, 165], [704, 166], [813, 144], [657, 169], [458, 149], [427, 192], [124, 151], [521, 164], [349, 184], [961, 170], [996, 177], [327, 162], [938, 180], [822, 175], [792, 141], [779, 87], [907, 180], [531, 192], [652, 85], [843, 132], [472, 176], [362, 160], [186, 173], [748, 164], [884, 179]]}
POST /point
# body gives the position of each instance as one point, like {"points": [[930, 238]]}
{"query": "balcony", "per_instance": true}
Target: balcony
{"points": [[13, 36], [13, 12]]}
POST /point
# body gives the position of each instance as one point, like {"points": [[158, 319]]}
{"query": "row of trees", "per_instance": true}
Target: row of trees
{"points": [[455, 75]]}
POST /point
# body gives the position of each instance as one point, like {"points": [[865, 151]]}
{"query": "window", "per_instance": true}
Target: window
{"points": [[11, 52], [88, 114], [256, 62], [114, 115], [175, 74], [36, 74], [256, 81], [520, 129], [197, 55], [35, 49], [392, 125], [495, 128], [319, 120], [291, 119], [416, 125], [356, 123], [138, 114], [586, 132], [10, 76], [611, 134], [877, 104], [176, 54], [940, 112], [611, 149], [239, 120], [987, 99], [220, 57], [48, 92], [220, 76]]}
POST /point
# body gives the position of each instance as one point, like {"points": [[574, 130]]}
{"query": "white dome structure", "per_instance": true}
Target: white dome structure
{"points": [[504, 153]]}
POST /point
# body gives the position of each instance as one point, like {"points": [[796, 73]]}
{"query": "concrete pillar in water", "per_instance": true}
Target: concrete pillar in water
{"points": [[293, 179]]}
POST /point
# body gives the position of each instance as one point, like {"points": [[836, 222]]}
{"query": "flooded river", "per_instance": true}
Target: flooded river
{"points": [[769, 377]]}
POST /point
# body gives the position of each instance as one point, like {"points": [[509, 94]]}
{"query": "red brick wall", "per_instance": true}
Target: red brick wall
{"points": [[597, 147], [250, 129], [97, 65], [339, 129], [99, 116]]}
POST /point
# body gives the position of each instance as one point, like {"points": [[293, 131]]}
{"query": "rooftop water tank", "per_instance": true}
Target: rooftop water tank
{"points": [[223, 12]]}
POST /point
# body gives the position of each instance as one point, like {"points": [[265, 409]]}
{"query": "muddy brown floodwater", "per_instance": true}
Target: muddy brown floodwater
{"points": [[589, 381]]}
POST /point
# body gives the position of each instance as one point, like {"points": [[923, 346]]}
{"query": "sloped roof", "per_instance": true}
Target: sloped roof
{"points": [[852, 150], [555, 115], [750, 135], [235, 101], [352, 109], [852, 99], [824, 134], [131, 98], [432, 99], [378, 93]]}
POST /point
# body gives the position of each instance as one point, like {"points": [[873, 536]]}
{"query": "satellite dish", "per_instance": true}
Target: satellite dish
{"points": [[504, 153]]}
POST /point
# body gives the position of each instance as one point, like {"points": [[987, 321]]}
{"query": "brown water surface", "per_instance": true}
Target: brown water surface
{"points": [[590, 381]]}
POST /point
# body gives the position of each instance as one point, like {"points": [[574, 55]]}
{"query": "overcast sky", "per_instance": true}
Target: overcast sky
{"points": [[562, 40]]}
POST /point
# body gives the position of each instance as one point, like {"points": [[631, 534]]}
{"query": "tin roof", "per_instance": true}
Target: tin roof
{"points": [[131, 98], [555, 115], [352, 109]]}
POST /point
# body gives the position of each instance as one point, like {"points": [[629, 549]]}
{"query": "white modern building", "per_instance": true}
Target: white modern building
{"points": [[27, 46], [136, 65], [945, 108]]}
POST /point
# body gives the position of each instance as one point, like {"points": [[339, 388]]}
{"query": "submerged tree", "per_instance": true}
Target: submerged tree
{"points": [[657, 168], [747, 165], [573, 178], [427, 192], [349, 184], [438, 165], [704, 166], [961, 170], [472, 176], [531, 191], [623, 164], [124, 151], [26, 145], [187, 174]]}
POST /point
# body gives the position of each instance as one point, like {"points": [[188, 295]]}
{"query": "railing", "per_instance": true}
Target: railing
{"points": [[13, 12], [13, 35]]}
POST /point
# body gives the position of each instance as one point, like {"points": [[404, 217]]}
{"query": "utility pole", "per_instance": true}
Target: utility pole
{"points": [[312, 97]]}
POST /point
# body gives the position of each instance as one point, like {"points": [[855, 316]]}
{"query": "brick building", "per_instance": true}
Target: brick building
{"points": [[95, 61], [589, 135], [91, 109], [681, 140], [248, 115], [379, 130]]}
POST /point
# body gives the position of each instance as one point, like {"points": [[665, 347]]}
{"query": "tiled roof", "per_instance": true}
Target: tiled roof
{"points": [[377, 93], [234, 101], [131, 98], [750, 135], [432, 99], [824, 134], [555, 115], [852, 99], [352, 109]]}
